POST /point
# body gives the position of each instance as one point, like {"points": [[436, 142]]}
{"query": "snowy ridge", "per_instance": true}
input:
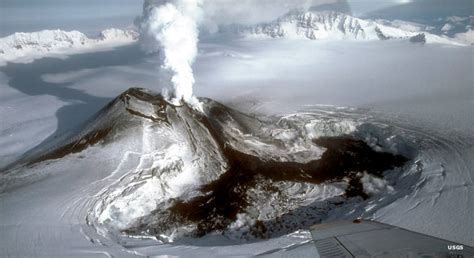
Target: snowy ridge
{"points": [[25, 47], [329, 25], [405, 25], [116, 179], [456, 24], [465, 37]]}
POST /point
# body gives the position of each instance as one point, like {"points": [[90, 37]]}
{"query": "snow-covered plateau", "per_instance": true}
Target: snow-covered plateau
{"points": [[91, 166]]}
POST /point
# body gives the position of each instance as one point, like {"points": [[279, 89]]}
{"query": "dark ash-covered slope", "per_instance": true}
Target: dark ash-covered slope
{"points": [[233, 160]]}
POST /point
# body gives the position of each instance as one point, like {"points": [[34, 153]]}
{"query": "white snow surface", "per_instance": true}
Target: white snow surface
{"points": [[330, 25], [465, 37], [26, 47], [390, 94]]}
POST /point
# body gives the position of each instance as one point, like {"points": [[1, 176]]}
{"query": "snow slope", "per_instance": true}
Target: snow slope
{"points": [[51, 216], [140, 154], [330, 25], [465, 37], [26, 47]]}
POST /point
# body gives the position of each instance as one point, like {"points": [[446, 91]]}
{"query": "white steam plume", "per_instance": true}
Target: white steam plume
{"points": [[171, 26]]}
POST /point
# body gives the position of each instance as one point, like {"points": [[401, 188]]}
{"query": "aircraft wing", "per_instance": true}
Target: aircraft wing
{"points": [[361, 238]]}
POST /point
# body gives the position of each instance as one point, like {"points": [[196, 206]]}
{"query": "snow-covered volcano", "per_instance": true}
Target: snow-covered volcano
{"points": [[143, 176], [175, 171]]}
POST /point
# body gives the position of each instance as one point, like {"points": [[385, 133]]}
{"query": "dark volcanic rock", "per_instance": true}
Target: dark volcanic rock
{"points": [[117, 114], [229, 169], [221, 200], [420, 38], [226, 197]]}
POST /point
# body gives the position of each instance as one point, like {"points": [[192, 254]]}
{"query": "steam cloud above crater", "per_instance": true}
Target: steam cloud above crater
{"points": [[172, 28]]}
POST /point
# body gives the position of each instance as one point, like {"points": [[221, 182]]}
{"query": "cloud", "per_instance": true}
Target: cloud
{"points": [[171, 27], [223, 12]]}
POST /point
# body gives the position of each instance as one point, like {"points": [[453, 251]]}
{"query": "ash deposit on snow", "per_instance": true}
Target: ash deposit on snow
{"points": [[232, 162], [184, 172]]}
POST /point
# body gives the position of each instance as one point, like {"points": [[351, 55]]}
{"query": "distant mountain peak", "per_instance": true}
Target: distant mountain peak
{"points": [[25, 47], [332, 25]]}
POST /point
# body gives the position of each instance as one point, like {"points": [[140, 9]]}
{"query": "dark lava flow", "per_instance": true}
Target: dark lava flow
{"points": [[224, 198]]}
